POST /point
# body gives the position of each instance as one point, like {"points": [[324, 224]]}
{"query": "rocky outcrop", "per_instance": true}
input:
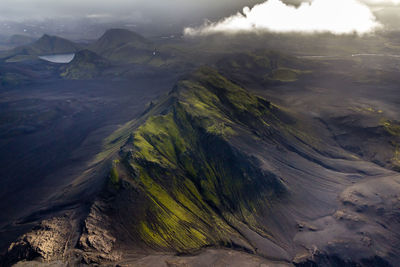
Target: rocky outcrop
{"points": [[48, 241], [96, 241], [68, 238]]}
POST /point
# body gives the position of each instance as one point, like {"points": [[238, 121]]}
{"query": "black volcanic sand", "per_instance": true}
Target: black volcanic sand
{"points": [[50, 130], [344, 205]]}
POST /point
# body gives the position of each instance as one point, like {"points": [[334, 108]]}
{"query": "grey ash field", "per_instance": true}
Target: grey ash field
{"points": [[247, 150]]}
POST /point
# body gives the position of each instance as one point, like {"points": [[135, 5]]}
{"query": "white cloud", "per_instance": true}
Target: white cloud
{"points": [[382, 2], [335, 16]]}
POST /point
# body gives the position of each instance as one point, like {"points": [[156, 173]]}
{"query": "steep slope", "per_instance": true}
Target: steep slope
{"points": [[85, 65], [368, 134], [189, 172]]}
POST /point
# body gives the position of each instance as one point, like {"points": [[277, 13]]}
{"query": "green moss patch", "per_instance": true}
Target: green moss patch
{"points": [[285, 75], [392, 127]]}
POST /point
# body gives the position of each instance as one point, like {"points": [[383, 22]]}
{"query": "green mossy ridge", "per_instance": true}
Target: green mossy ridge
{"points": [[392, 127], [263, 66], [114, 176], [176, 219], [228, 93], [221, 104], [190, 174], [285, 75], [396, 158], [158, 140], [249, 61], [85, 65]]}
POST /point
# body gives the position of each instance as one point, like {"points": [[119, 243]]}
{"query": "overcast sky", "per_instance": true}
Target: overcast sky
{"points": [[358, 15], [146, 10]]}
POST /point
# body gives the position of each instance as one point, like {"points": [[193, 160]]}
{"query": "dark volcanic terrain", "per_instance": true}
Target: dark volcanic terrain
{"points": [[201, 153]]}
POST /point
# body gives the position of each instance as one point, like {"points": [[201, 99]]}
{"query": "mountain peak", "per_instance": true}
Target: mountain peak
{"points": [[115, 38], [48, 44], [117, 32], [49, 38], [46, 36]]}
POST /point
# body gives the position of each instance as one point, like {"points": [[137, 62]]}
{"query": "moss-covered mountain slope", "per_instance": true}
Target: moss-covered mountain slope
{"points": [[194, 186], [85, 65]]}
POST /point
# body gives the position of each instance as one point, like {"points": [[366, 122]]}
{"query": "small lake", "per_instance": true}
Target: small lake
{"points": [[59, 58]]}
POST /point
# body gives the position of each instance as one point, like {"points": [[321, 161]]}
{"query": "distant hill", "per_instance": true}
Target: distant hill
{"points": [[264, 67], [45, 45], [51, 45], [115, 38], [85, 65], [123, 46]]}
